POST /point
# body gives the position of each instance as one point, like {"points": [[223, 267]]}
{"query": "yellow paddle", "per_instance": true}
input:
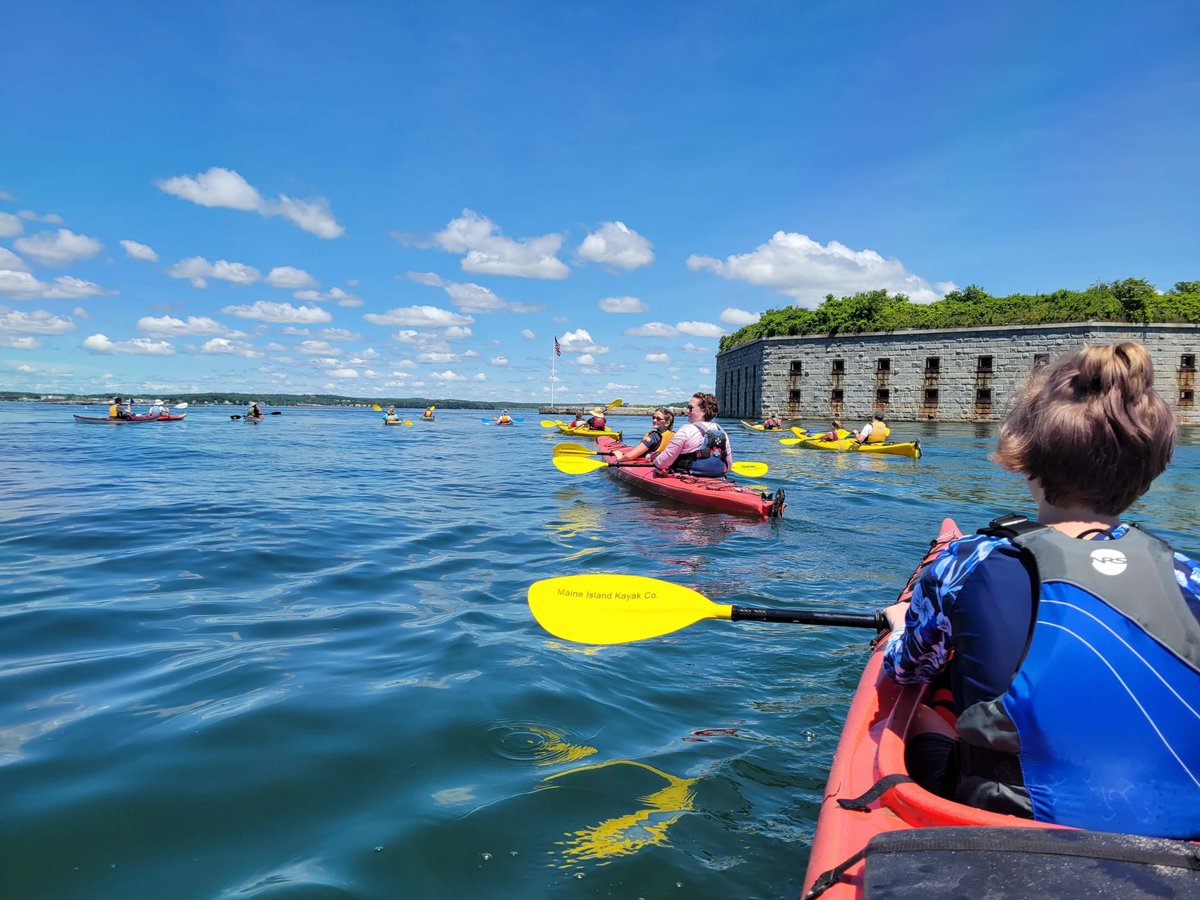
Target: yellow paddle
{"points": [[573, 464], [378, 408], [616, 609], [546, 423]]}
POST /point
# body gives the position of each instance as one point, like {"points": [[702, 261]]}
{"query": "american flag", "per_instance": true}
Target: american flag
{"points": [[557, 348]]}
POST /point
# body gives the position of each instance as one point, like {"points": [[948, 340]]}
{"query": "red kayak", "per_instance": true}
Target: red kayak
{"points": [[880, 835], [133, 420], [710, 493]]}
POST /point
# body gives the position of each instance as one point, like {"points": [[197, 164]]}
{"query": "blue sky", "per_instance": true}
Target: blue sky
{"points": [[414, 199]]}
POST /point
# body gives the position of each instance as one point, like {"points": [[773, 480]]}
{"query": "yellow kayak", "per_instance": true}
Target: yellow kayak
{"points": [[911, 450], [761, 427], [589, 432]]}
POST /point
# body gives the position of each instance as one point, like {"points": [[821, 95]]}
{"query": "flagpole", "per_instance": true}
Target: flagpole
{"points": [[553, 375]]}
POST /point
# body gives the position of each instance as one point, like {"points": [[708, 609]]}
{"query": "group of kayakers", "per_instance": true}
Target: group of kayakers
{"points": [[1068, 646], [596, 421], [123, 409]]}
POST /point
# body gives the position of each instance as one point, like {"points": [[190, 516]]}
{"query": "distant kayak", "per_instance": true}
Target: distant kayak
{"points": [[710, 493], [426, 419], [589, 432], [911, 450], [760, 427], [134, 420]]}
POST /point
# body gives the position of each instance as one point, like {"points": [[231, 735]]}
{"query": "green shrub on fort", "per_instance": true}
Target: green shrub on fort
{"points": [[1131, 300]]}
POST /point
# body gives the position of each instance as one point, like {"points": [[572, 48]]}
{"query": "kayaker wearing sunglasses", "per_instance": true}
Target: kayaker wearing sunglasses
{"points": [[701, 447], [659, 435], [1071, 644]]}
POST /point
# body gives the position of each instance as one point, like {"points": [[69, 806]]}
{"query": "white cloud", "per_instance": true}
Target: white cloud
{"points": [[197, 269], [433, 357], [738, 317], [10, 225], [318, 348], [479, 376], [689, 347], [100, 343], [20, 343], [799, 267], [616, 244], [343, 373], [23, 286], [418, 317], [580, 341], [652, 329], [622, 305], [280, 313], [168, 326], [12, 262], [227, 347], [487, 251], [290, 277], [339, 334], [586, 359], [699, 329], [225, 188], [456, 333], [58, 248], [337, 295], [528, 335], [498, 361], [657, 357], [448, 375], [49, 218], [134, 250], [468, 296], [704, 370], [37, 322]]}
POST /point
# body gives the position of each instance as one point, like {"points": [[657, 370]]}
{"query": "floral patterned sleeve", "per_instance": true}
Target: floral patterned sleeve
{"points": [[921, 651]]}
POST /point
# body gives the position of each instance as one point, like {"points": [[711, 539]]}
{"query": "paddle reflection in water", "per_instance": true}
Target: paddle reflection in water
{"points": [[542, 745], [627, 834]]}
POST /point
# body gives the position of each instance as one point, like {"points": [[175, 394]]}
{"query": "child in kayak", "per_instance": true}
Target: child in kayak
{"points": [[700, 447], [659, 435], [1071, 644], [833, 434]]}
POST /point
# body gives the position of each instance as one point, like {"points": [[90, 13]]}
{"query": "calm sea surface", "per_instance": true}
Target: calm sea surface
{"points": [[294, 659]]}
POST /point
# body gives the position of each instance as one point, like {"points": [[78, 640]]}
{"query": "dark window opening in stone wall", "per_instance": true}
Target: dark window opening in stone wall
{"points": [[1187, 397], [1187, 362], [931, 396], [794, 396], [835, 396], [983, 397], [883, 396], [1041, 359], [839, 366], [933, 365], [985, 365], [883, 365], [796, 368]]}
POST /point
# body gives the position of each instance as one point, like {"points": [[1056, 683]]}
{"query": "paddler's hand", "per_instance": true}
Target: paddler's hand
{"points": [[618, 455], [895, 615]]}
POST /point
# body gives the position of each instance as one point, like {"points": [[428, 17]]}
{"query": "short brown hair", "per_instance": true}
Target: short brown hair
{"points": [[667, 415], [1091, 428], [708, 403]]}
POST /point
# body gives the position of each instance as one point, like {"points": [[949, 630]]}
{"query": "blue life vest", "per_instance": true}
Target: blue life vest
{"points": [[1100, 726], [708, 461]]}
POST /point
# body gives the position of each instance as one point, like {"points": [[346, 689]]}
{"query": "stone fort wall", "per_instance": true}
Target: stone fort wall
{"points": [[949, 375]]}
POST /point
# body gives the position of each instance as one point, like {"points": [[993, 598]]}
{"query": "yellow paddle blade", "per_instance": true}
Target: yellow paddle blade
{"points": [[799, 432], [573, 449], [376, 407], [615, 403], [546, 423], [792, 442], [749, 469], [408, 423], [613, 609], [577, 465]]}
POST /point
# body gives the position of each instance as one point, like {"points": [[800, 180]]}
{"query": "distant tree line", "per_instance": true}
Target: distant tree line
{"points": [[1132, 300]]}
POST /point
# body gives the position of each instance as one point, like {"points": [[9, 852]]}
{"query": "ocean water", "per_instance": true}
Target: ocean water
{"points": [[294, 659]]}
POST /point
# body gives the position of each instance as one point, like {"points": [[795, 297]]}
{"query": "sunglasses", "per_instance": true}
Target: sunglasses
{"points": [[690, 406], [658, 419]]}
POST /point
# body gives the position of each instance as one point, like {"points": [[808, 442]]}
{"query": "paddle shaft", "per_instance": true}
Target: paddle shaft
{"points": [[876, 621]]}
